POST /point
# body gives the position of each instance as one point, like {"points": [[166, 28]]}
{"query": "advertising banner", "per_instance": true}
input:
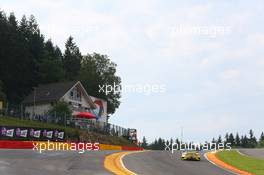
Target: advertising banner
{"points": [[132, 134], [26, 133]]}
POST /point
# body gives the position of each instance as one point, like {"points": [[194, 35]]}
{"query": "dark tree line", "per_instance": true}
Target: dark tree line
{"points": [[158, 144], [27, 59], [243, 141]]}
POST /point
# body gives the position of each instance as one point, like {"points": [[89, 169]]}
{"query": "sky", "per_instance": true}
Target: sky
{"points": [[207, 56]]}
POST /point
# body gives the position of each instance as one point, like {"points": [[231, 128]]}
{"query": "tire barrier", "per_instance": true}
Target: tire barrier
{"points": [[131, 148], [13, 144]]}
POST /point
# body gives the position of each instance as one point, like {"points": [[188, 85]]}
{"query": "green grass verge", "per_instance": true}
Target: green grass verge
{"points": [[245, 163], [71, 133], [10, 121]]}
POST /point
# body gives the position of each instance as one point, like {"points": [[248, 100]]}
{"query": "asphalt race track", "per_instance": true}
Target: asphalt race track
{"points": [[28, 162], [259, 153], [165, 163]]}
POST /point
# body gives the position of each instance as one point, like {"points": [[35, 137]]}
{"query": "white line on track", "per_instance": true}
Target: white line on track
{"points": [[241, 153], [218, 165], [121, 161]]}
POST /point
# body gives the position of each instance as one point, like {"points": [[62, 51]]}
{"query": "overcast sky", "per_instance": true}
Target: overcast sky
{"points": [[208, 55]]}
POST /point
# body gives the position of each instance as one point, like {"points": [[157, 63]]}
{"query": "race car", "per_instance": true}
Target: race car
{"points": [[191, 155]]}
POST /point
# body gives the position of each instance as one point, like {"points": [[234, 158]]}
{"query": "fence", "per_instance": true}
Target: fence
{"points": [[99, 127], [70, 121]]}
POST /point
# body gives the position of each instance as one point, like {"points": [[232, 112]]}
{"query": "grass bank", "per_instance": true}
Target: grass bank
{"points": [[245, 163], [71, 133]]}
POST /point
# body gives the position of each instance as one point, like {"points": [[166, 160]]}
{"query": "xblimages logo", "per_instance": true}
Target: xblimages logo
{"points": [[196, 146], [80, 147], [211, 31], [145, 89]]}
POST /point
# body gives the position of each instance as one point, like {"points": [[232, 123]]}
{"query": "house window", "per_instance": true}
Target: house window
{"points": [[79, 96], [75, 94]]}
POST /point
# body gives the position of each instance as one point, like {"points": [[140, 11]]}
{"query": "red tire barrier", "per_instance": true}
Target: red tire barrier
{"points": [[12, 144], [131, 148]]}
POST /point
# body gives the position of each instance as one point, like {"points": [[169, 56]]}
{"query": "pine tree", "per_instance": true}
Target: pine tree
{"points": [[244, 141], [227, 138], [237, 140], [155, 145], [261, 140], [160, 144], [171, 141], [219, 140], [12, 20], [177, 141], [231, 139], [51, 68], [252, 139], [17, 53], [262, 136], [167, 143], [213, 140], [72, 59], [2, 94], [144, 143]]}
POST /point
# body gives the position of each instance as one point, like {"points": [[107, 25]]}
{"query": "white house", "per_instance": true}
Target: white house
{"points": [[43, 97]]}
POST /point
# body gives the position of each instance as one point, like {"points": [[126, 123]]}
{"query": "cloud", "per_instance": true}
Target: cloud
{"points": [[204, 62], [230, 74], [256, 40]]}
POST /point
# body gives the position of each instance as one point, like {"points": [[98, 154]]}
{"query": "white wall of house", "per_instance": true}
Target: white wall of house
{"points": [[40, 109], [81, 101], [77, 98]]}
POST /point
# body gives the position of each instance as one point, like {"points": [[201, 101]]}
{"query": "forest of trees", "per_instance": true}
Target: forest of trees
{"points": [[237, 141], [27, 59]]}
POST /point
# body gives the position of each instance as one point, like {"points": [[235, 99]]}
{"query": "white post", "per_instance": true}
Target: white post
{"points": [[181, 134]]}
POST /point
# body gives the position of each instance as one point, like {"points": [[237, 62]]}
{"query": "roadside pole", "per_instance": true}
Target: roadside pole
{"points": [[181, 134], [65, 120]]}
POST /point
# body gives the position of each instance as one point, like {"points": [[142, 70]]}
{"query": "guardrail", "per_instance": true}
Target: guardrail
{"points": [[69, 121]]}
